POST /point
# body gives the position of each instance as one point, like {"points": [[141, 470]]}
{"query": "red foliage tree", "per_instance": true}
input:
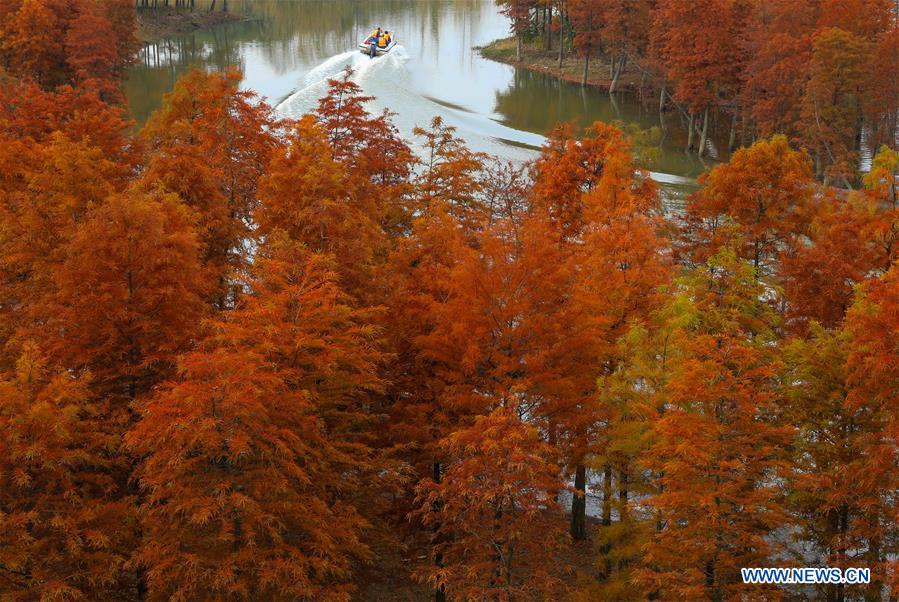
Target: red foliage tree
{"points": [[702, 56], [850, 238], [586, 19], [780, 44], [127, 297], [493, 512], [832, 107], [312, 197], [211, 143], [82, 42], [64, 529], [32, 40], [519, 14], [247, 453], [81, 115], [874, 381], [92, 53], [765, 191]]}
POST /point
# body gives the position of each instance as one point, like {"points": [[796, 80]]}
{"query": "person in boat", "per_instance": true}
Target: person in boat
{"points": [[375, 35], [383, 40]]}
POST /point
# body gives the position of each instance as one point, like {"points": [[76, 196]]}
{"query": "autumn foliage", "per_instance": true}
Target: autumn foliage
{"points": [[737, 71], [245, 358]]}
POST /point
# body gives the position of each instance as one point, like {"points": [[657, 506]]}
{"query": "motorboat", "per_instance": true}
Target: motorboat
{"points": [[378, 43]]}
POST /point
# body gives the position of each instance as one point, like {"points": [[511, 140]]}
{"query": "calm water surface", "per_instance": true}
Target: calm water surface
{"points": [[290, 48]]}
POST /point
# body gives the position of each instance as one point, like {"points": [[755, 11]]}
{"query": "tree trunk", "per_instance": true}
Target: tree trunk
{"points": [[732, 142], [549, 27], [616, 72], [744, 128], [212, 6], [662, 100], [579, 504], [586, 68], [517, 46], [607, 496], [440, 592], [873, 591], [622, 492], [710, 580], [561, 39], [690, 132], [704, 134]]}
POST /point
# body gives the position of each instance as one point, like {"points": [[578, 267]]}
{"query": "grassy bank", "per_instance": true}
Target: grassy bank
{"points": [[535, 58], [161, 23]]}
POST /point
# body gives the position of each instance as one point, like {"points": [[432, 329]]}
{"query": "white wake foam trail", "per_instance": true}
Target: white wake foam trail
{"points": [[314, 84]]}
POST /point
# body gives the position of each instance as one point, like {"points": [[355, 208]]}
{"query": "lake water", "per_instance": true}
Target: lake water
{"points": [[290, 48]]}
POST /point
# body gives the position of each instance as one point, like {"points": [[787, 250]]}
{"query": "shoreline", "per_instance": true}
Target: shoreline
{"points": [[546, 62], [155, 25]]}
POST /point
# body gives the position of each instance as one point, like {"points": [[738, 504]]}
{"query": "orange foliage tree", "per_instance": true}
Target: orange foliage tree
{"points": [[127, 297], [311, 196], [602, 211], [82, 42], [831, 504], [64, 527], [832, 106], [765, 191], [247, 454], [46, 189], [211, 143], [370, 148], [493, 512], [850, 238], [451, 174], [873, 377], [79, 114], [717, 448]]}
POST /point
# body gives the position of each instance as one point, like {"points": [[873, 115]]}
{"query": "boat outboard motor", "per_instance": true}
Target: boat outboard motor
{"points": [[373, 49]]}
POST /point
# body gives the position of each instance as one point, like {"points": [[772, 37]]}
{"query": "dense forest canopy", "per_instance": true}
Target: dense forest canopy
{"points": [[821, 72], [248, 358]]}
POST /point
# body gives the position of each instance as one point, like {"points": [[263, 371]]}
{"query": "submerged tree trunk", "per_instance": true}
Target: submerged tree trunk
{"points": [[705, 131], [616, 72], [579, 504]]}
